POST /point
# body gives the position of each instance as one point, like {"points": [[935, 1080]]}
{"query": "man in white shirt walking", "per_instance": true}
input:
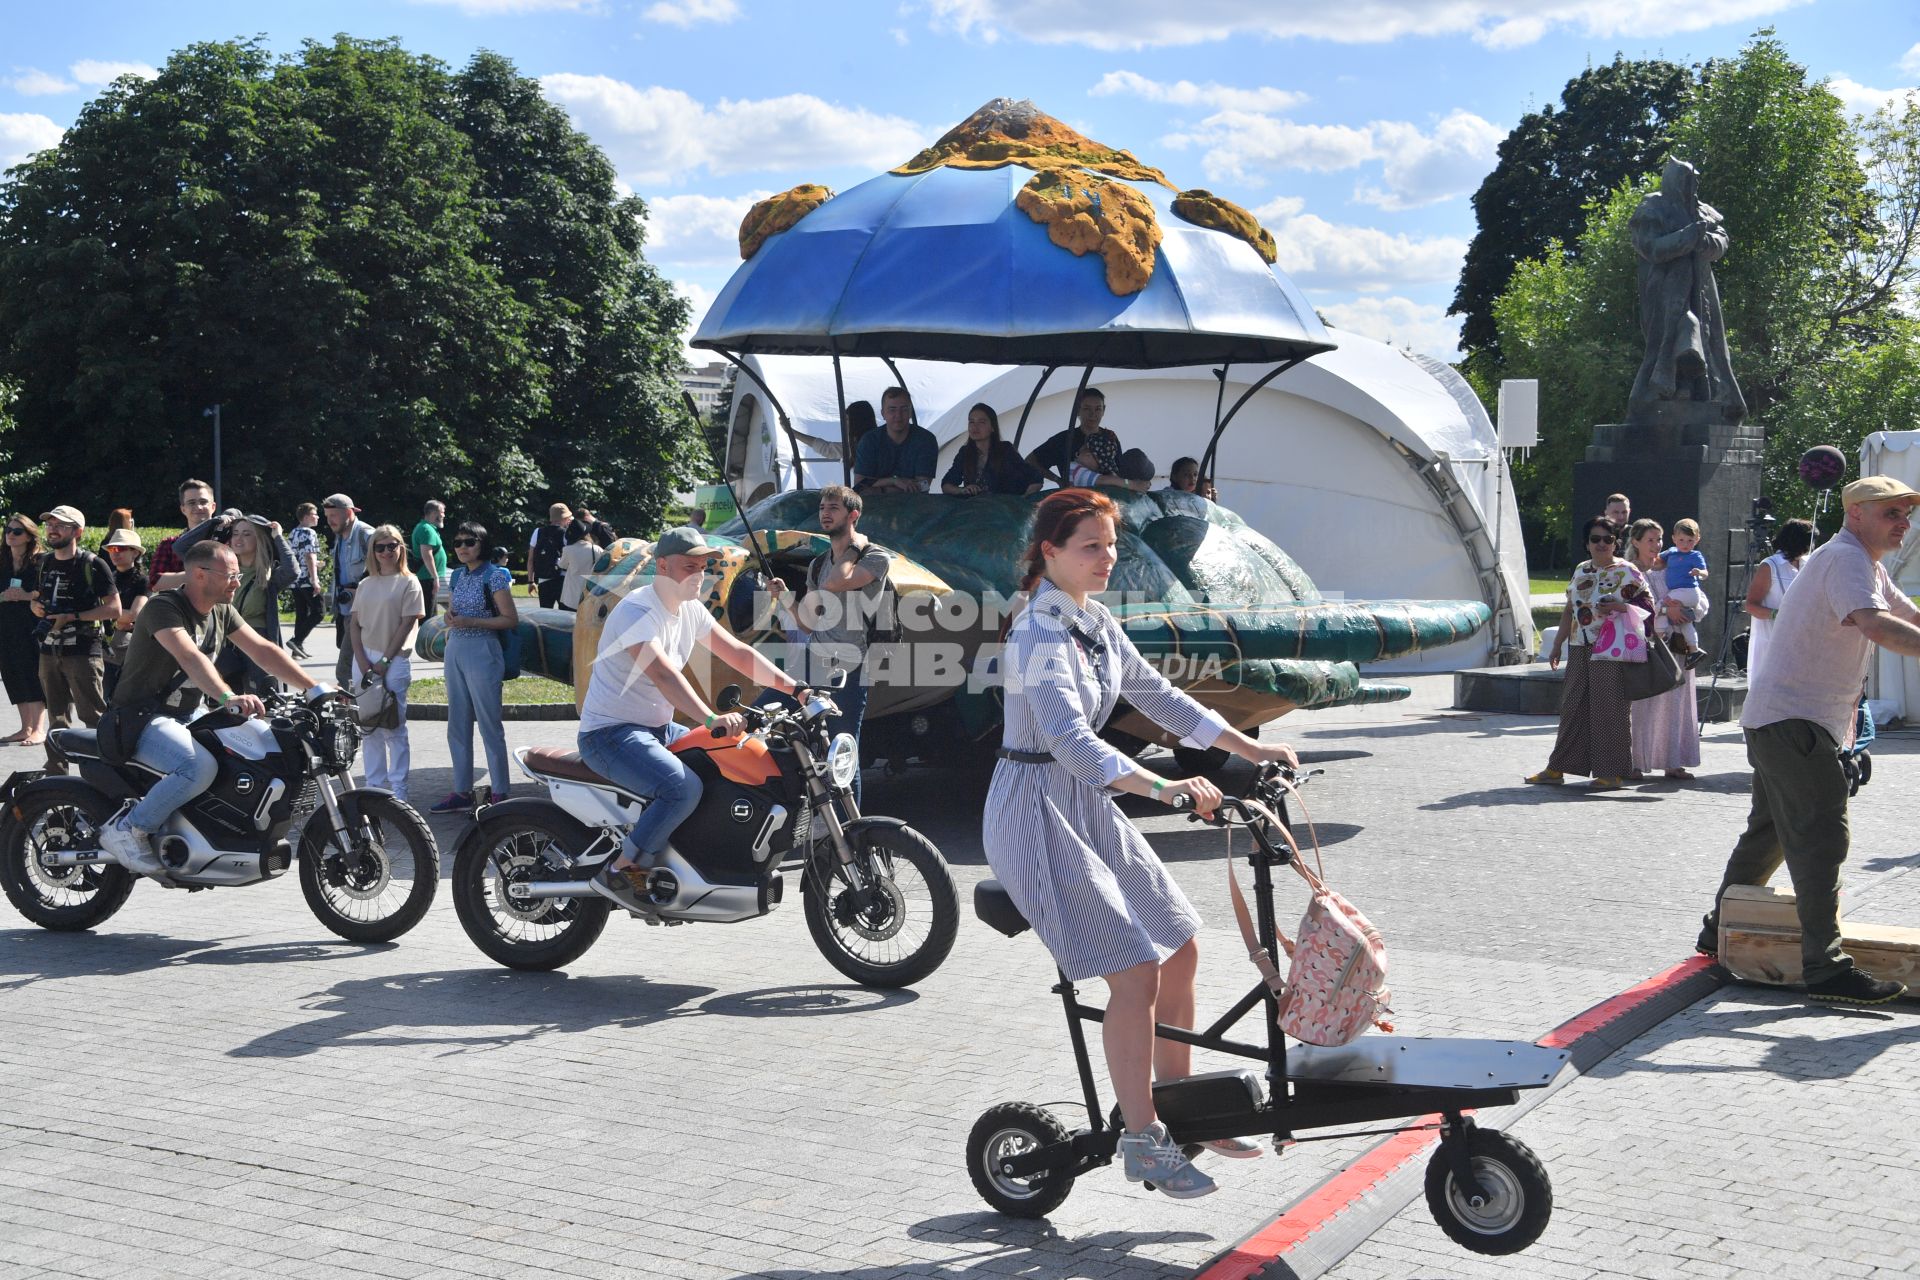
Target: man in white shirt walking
{"points": [[1801, 714]]}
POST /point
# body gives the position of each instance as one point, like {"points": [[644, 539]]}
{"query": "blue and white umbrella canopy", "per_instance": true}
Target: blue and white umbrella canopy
{"points": [[943, 265]]}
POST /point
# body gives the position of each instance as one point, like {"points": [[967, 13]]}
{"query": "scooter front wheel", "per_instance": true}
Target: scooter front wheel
{"points": [[1518, 1197], [892, 924], [1014, 1129], [375, 880], [540, 934]]}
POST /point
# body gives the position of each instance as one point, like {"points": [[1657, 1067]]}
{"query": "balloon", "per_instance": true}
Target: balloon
{"points": [[1823, 466]]}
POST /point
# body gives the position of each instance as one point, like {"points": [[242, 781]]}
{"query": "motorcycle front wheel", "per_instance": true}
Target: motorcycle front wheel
{"points": [[543, 933], [901, 925], [64, 899], [376, 880]]}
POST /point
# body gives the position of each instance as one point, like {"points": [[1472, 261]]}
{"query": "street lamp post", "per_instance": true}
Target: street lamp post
{"points": [[214, 413]]}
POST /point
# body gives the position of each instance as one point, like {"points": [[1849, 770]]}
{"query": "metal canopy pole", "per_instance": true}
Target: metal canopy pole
{"points": [[786, 423], [846, 445], [1220, 394], [1213, 445], [1064, 474], [1032, 396]]}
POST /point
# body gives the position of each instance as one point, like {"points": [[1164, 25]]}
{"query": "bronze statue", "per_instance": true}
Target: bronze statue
{"points": [[1686, 376]]}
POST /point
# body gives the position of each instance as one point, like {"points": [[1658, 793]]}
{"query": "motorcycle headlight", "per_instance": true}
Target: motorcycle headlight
{"points": [[843, 760]]}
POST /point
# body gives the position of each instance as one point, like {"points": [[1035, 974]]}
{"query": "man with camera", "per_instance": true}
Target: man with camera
{"points": [[73, 593], [352, 539]]}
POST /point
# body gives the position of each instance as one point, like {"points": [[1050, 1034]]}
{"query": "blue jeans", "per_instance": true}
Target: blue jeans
{"points": [[186, 769], [636, 757], [852, 701], [475, 669]]}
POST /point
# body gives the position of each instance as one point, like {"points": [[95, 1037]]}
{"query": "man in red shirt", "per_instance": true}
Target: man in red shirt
{"points": [[196, 507]]}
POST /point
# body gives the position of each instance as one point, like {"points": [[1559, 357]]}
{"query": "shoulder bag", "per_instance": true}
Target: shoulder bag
{"points": [[1336, 983], [509, 638]]}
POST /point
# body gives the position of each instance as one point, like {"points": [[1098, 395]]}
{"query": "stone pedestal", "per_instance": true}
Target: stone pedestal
{"points": [[1709, 471]]}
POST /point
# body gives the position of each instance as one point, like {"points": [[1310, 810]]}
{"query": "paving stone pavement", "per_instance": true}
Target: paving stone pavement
{"points": [[212, 1085]]}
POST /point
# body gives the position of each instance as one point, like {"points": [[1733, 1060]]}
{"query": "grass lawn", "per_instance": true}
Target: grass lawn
{"points": [[1546, 586], [524, 691]]}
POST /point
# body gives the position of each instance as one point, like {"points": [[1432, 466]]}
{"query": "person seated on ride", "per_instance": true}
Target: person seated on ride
{"points": [[1087, 446], [901, 458], [1089, 883], [175, 641], [627, 724], [986, 463]]}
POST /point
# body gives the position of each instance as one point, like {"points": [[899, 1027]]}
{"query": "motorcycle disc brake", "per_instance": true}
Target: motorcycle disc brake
{"points": [[885, 913]]}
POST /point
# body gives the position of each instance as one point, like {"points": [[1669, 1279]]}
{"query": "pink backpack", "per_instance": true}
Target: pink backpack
{"points": [[1336, 985]]}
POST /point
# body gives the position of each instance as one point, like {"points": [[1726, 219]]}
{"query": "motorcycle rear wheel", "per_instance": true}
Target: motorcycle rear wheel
{"points": [[379, 885], [539, 935], [63, 899], [904, 932]]}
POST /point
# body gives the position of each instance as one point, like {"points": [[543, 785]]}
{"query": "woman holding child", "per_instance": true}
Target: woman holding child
{"points": [[1596, 736], [1666, 728]]}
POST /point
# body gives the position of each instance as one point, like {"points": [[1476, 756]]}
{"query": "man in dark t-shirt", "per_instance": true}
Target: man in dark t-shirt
{"points": [[73, 594], [174, 643]]}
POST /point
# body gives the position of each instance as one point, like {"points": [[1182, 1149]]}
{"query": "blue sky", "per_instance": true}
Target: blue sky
{"points": [[1357, 130]]}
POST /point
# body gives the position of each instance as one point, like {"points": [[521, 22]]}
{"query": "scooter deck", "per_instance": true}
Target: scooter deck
{"points": [[1413, 1063]]}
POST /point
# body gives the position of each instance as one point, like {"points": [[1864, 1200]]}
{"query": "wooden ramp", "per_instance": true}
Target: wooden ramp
{"points": [[1760, 941]]}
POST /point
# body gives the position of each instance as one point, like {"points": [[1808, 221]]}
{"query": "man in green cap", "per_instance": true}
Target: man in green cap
{"points": [[635, 688]]}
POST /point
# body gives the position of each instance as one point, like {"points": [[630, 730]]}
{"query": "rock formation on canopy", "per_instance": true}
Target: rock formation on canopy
{"points": [[775, 214], [1008, 132], [1084, 214], [1204, 209]]}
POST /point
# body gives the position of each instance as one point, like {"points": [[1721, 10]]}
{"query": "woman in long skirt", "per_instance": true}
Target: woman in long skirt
{"points": [[1666, 727], [1596, 738], [1088, 882]]}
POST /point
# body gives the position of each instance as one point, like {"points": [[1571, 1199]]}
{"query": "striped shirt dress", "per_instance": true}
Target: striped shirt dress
{"points": [[1089, 883]]}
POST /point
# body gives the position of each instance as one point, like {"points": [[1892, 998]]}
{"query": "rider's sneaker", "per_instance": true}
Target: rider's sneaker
{"points": [[618, 887], [130, 847], [1852, 986], [1234, 1148], [456, 802], [1149, 1156]]}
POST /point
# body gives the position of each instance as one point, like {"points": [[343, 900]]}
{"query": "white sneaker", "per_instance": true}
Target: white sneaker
{"points": [[130, 847], [1149, 1156]]}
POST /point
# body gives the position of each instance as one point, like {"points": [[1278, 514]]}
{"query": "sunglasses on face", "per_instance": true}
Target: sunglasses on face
{"points": [[231, 577], [1598, 538], [382, 548], [15, 531], [466, 542]]}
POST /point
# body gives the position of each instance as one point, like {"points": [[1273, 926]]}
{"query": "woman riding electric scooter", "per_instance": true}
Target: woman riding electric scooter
{"points": [[1096, 893]]}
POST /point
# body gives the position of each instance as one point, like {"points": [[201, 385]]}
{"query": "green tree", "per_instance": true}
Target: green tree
{"points": [[12, 479], [320, 245], [1821, 253], [1611, 126]]}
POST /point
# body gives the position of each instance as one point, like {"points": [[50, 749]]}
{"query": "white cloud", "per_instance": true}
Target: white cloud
{"points": [[1500, 24], [685, 13], [695, 230], [1185, 93], [1324, 255], [900, 35], [1420, 168], [90, 71], [33, 82], [1427, 328], [510, 8], [658, 135], [1417, 167], [1859, 99], [1910, 61], [22, 134], [1279, 207], [699, 298]]}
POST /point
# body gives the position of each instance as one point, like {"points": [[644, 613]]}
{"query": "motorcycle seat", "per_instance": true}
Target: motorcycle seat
{"points": [[555, 763], [77, 742], [996, 909]]}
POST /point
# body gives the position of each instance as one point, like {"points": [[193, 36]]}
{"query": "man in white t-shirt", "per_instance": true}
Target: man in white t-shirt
{"points": [[636, 686], [1800, 715]]}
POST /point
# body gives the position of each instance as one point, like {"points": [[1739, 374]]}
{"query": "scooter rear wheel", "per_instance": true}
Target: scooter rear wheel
{"points": [[63, 899], [1012, 1129], [1519, 1196], [545, 933]]}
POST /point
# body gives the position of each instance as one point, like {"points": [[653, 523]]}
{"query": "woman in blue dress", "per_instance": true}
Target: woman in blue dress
{"points": [[1089, 883]]}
